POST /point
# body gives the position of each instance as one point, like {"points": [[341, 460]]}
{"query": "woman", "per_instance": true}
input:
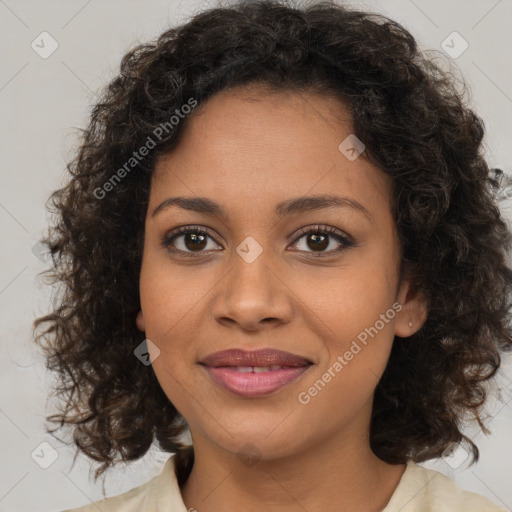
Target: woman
{"points": [[280, 233]]}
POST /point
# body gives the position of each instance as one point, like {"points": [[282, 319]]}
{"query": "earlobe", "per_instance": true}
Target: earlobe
{"points": [[140, 322], [413, 314]]}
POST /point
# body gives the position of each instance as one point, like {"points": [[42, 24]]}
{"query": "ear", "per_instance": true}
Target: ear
{"points": [[414, 310], [140, 322]]}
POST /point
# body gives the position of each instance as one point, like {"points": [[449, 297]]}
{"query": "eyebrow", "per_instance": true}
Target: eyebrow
{"points": [[284, 208]]}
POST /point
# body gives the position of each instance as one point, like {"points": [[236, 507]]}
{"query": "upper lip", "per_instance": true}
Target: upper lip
{"points": [[263, 357]]}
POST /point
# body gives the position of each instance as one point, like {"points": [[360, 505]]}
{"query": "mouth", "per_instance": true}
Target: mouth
{"points": [[256, 373]]}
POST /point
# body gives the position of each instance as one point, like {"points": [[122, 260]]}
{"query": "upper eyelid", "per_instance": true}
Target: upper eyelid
{"points": [[330, 231]]}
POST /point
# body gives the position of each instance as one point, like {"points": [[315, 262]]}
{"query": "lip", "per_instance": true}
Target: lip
{"points": [[222, 368], [262, 357]]}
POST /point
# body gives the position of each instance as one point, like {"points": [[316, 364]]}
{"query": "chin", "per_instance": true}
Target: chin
{"points": [[260, 441]]}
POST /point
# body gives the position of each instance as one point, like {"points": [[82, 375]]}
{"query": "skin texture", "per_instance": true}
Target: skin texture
{"points": [[248, 149]]}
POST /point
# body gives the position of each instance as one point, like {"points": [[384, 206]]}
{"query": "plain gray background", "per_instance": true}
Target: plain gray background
{"points": [[43, 100]]}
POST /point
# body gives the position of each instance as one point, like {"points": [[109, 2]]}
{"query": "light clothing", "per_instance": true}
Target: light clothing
{"points": [[419, 490]]}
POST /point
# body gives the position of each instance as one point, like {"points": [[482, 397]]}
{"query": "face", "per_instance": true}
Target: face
{"points": [[262, 277]]}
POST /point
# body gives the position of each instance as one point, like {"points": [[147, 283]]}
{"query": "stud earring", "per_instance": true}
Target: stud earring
{"points": [[410, 323]]}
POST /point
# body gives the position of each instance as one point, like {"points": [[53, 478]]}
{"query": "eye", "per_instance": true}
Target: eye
{"points": [[317, 238], [193, 238]]}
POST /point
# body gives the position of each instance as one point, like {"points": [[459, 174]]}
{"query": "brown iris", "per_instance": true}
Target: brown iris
{"points": [[195, 241], [320, 241]]}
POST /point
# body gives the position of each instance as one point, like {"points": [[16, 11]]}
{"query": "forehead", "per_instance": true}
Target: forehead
{"points": [[253, 116], [258, 144]]}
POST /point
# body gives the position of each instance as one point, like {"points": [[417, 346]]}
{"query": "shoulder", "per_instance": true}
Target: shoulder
{"points": [[158, 494], [426, 490]]}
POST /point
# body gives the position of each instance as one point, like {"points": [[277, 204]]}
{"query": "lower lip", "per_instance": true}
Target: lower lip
{"points": [[254, 384]]}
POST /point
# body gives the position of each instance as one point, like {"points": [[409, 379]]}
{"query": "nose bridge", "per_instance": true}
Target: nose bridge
{"points": [[252, 289], [251, 268]]}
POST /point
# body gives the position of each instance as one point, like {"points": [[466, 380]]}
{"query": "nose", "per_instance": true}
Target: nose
{"points": [[253, 295]]}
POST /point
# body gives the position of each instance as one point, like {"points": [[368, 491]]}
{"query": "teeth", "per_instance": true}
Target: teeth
{"points": [[261, 369], [257, 369]]}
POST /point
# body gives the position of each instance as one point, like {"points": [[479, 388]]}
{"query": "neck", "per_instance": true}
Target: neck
{"points": [[342, 475]]}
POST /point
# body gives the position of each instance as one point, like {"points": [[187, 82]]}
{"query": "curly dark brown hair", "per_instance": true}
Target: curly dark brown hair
{"points": [[411, 116]]}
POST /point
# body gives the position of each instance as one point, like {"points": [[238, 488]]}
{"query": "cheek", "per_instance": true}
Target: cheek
{"points": [[173, 302], [347, 300], [169, 297], [353, 313], [167, 305]]}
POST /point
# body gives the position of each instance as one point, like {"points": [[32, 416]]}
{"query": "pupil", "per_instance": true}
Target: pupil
{"points": [[323, 243], [197, 241]]}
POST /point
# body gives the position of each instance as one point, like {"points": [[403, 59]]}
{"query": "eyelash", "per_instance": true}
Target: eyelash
{"points": [[169, 238]]}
